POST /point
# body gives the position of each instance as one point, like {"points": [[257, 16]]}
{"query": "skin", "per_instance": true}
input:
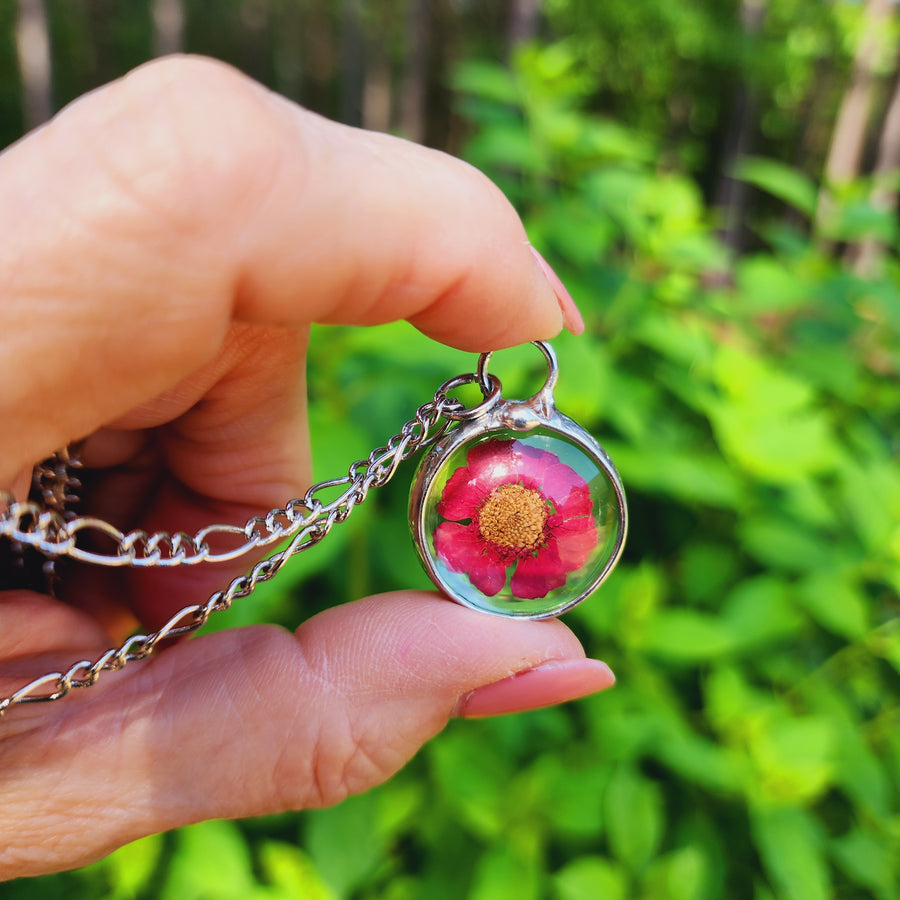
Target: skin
{"points": [[167, 241]]}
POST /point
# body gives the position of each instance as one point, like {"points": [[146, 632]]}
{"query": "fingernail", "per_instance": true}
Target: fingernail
{"points": [[572, 319], [555, 681]]}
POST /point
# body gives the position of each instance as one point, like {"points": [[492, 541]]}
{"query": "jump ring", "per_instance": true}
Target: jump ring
{"points": [[490, 387]]}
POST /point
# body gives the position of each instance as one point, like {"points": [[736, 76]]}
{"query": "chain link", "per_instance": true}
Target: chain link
{"points": [[47, 527]]}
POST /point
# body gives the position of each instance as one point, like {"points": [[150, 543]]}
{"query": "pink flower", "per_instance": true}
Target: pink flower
{"points": [[515, 507]]}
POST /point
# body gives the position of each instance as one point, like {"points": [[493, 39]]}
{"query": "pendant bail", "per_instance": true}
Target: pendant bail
{"points": [[545, 395]]}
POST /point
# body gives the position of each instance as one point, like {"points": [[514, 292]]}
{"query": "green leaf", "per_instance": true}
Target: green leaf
{"points": [[691, 476], [211, 860], [290, 874], [698, 760], [765, 420], [780, 181], [862, 775], [706, 569], [869, 860], [795, 758], [687, 636], [634, 815], [590, 878], [766, 284], [473, 775], [780, 449], [571, 795], [605, 139], [681, 338], [639, 592], [752, 381], [132, 867], [874, 523], [856, 221], [680, 875], [835, 601], [579, 238], [733, 706], [507, 146], [791, 846], [487, 80], [758, 611], [345, 842], [503, 874], [584, 385]]}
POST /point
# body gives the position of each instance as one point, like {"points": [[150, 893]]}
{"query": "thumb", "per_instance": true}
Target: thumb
{"points": [[257, 720]]}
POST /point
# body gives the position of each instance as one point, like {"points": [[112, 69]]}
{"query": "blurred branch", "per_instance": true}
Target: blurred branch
{"points": [[33, 49]]}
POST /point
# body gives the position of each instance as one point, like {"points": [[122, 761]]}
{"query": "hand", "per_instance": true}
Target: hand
{"points": [[167, 241]]}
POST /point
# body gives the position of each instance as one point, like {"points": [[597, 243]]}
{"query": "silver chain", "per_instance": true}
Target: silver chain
{"points": [[46, 526]]}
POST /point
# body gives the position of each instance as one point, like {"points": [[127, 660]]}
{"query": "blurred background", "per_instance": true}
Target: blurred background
{"points": [[716, 182]]}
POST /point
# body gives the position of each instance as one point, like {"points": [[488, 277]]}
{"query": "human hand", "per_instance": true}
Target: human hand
{"points": [[167, 241]]}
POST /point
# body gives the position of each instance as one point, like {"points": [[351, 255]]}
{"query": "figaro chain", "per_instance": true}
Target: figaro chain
{"points": [[47, 526]]}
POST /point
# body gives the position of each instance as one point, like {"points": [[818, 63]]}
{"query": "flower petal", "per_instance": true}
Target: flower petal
{"points": [[577, 503], [486, 458], [536, 576], [532, 460], [490, 464], [457, 545], [461, 496], [460, 547], [488, 577], [559, 481], [575, 539]]}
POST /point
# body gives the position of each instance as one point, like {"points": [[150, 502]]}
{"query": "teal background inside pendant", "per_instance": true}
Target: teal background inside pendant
{"points": [[579, 536]]}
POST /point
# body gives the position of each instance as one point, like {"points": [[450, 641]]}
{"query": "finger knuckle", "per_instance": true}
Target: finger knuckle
{"points": [[189, 139]]}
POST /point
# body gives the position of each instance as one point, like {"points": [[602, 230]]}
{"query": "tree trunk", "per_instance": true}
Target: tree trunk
{"points": [[524, 17], [731, 193], [168, 27], [352, 64], [869, 254], [414, 89], [288, 51], [377, 90], [848, 139], [256, 51], [33, 49]]}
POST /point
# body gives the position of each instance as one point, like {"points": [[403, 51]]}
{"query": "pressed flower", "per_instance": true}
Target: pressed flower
{"points": [[515, 507]]}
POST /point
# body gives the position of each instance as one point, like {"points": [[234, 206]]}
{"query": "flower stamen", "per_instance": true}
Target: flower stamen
{"points": [[513, 516]]}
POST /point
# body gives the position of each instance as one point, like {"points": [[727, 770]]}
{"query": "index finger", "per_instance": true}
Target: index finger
{"points": [[148, 215]]}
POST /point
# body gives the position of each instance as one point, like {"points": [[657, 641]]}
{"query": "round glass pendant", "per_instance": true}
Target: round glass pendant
{"points": [[518, 511]]}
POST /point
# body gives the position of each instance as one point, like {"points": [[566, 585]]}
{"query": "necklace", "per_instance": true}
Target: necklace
{"points": [[515, 510]]}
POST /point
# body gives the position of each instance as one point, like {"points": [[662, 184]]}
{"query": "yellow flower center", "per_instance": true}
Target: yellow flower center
{"points": [[513, 516]]}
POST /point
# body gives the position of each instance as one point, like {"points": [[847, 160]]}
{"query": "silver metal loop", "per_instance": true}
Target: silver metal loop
{"points": [[552, 370], [490, 387]]}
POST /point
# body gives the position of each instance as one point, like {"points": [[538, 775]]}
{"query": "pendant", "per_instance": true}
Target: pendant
{"points": [[517, 511]]}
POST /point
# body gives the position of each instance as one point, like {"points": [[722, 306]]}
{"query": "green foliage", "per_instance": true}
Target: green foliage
{"points": [[751, 747]]}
